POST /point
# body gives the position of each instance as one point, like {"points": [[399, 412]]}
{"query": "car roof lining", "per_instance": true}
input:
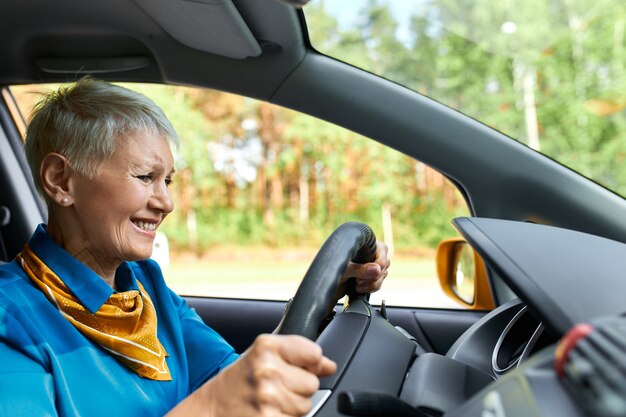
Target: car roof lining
{"points": [[34, 33]]}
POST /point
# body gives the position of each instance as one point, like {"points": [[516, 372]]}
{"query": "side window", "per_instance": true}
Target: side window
{"points": [[258, 189]]}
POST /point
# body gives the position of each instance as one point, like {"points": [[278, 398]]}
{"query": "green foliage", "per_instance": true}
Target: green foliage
{"points": [[310, 176], [475, 55]]}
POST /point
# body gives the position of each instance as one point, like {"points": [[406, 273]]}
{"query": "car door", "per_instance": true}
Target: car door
{"points": [[240, 321]]}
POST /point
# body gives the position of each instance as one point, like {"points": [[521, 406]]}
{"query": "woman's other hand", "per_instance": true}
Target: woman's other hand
{"points": [[276, 376], [369, 276]]}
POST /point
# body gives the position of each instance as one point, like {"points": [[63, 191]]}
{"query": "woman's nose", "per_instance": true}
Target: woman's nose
{"points": [[161, 199]]}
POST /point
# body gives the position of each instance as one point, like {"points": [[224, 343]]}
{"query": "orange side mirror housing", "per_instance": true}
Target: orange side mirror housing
{"points": [[462, 274]]}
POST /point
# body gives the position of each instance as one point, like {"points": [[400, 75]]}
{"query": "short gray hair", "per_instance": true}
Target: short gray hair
{"points": [[84, 121]]}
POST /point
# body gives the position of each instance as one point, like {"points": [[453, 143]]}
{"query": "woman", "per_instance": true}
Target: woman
{"points": [[87, 324]]}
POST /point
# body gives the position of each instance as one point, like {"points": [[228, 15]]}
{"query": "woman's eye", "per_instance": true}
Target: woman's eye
{"points": [[168, 181], [144, 178]]}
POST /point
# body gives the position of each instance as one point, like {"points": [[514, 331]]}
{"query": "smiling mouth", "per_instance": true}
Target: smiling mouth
{"points": [[147, 226]]}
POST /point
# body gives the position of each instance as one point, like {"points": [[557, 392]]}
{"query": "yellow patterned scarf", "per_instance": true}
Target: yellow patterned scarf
{"points": [[125, 325]]}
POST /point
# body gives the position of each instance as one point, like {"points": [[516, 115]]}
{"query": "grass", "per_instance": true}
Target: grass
{"points": [[275, 274]]}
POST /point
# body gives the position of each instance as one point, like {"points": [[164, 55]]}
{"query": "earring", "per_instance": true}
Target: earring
{"points": [[64, 201]]}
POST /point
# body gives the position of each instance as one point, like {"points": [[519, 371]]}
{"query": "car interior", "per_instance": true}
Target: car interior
{"points": [[452, 362]]}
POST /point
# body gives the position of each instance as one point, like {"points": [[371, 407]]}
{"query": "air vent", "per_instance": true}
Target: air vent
{"points": [[591, 360]]}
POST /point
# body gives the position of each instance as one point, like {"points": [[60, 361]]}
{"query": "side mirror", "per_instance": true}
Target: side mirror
{"points": [[462, 274]]}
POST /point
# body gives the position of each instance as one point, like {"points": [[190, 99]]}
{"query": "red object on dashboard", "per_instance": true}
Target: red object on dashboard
{"points": [[567, 343]]}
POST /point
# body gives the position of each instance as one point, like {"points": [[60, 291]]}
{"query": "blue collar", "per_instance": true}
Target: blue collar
{"points": [[85, 284]]}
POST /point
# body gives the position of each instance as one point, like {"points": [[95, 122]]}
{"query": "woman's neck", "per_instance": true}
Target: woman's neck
{"points": [[63, 237]]}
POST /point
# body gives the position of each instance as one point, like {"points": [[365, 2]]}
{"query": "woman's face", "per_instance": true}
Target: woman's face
{"points": [[118, 212]]}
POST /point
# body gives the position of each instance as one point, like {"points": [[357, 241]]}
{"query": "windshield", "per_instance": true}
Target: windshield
{"points": [[549, 73]]}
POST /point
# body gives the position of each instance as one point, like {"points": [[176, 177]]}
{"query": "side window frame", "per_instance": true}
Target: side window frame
{"points": [[19, 197]]}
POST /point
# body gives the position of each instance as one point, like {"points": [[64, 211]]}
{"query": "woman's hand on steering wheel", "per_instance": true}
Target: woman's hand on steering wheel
{"points": [[369, 276], [329, 278], [276, 376]]}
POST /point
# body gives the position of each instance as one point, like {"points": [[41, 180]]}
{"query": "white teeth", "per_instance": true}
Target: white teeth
{"points": [[150, 227]]}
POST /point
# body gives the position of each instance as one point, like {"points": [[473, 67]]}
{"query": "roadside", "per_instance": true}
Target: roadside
{"points": [[274, 274]]}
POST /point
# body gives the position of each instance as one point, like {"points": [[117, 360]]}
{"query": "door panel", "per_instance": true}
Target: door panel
{"points": [[440, 328], [240, 321]]}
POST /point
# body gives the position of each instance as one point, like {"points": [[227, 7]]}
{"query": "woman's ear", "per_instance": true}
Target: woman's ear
{"points": [[55, 172]]}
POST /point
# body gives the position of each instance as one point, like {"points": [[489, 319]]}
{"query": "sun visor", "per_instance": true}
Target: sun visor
{"points": [[213, 26]]}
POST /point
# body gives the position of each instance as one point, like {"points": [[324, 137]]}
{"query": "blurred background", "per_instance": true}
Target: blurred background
{"points": [[258, 187]]}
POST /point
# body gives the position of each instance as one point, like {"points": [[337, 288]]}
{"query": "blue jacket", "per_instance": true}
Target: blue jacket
{"points": [[49, 368]]}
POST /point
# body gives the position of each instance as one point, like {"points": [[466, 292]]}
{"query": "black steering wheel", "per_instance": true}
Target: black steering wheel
{"points": [[360, 340], [316, 295]]}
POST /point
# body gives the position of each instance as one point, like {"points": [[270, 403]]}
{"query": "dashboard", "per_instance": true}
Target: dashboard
{"points": [[558, 350], [564, 276], [510, 333], [529, 357]]}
